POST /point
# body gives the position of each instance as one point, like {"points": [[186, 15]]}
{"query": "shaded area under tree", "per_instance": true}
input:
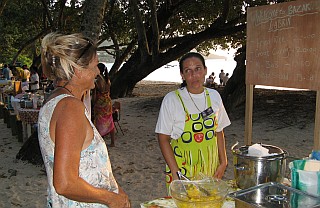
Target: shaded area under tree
{"points": [[30, 150]]}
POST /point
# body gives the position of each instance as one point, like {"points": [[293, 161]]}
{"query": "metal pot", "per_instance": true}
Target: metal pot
{"points": [[250, 171]]}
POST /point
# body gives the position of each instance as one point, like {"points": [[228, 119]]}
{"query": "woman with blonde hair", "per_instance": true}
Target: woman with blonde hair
{"points": [[75, 156]]}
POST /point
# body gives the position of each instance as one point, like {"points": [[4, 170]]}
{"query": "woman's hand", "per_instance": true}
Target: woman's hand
{"points": [[120, 200], [220, 171]]}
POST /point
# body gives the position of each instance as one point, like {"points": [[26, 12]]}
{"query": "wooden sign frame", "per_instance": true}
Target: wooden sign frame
{"points": [[283, 50]]}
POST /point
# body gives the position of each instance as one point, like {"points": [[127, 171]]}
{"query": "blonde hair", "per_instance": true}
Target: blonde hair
{"points": [[62, 53]]}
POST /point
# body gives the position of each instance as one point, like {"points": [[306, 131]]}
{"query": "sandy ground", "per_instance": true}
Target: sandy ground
{"points": [[281, 118]]}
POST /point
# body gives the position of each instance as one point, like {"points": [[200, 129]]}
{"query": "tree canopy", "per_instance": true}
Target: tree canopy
{"points": [[143, 35]]}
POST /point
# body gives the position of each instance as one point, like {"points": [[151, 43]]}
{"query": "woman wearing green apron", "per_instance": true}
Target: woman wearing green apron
{"points": [[190, 125]]}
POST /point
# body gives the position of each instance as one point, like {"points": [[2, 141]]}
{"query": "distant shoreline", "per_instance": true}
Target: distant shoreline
{"points": [[150, 82]]}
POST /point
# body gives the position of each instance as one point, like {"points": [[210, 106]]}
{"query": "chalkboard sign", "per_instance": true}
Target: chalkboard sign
{"points": [[283, 45]]}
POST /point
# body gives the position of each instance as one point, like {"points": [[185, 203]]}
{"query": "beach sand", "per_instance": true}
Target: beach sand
{"points": [[281, 118]]}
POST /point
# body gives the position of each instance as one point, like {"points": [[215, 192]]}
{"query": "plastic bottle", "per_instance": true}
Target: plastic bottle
{"points": [[34, 101]]}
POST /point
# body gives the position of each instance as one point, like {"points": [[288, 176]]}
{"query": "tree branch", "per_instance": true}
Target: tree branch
{"points": [[155, 30], [113, 35], [2, 6], [45, 7], [60, 16], [214, 31], [142, 37], [124, 56], [30, 42], [226, 9]]}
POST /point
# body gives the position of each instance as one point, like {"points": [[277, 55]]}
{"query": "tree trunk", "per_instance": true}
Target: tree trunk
{"points": [[93, 15], [234, 92], [133, 71]]}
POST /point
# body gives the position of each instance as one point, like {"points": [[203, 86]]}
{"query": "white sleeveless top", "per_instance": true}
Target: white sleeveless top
{"points": [[95, 167]]}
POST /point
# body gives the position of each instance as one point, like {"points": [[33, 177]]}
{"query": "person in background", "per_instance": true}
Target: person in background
{"points": [[50, 86], [7, 73], [190, 125], [14, 72], [20, 73], [221, 76], [103, 105], [26, 73], [34, 79], [75, 155], [213, 77], [225, 79], [209, 81]]}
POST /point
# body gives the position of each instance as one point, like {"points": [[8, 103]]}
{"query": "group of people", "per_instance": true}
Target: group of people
{"points": [[223, 77], [210, 81], [189, 127], [29, 77]]}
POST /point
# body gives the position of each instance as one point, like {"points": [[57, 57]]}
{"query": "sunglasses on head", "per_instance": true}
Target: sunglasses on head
{"points": [[85, 49]]}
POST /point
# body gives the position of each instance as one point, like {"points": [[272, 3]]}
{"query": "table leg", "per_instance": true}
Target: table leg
{"points": [[25, 131], [29, 130]]}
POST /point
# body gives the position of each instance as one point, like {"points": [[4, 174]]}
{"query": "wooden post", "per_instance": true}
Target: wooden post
{"points": [[248, 115], [316, 135]]}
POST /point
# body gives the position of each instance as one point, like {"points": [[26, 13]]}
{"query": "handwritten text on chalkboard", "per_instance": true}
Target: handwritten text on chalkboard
{"points": [[283, 45]]}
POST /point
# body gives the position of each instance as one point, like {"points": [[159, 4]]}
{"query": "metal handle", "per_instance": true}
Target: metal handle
{"points": [[181, 176], [200, 188], [239, 167], [233, 146]]}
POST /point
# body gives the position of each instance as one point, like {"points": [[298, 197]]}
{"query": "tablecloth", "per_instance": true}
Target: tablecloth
{"points": [[29, 116]]}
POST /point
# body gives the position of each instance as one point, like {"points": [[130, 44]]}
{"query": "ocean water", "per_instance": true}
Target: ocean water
{"points": [[171, 72]]}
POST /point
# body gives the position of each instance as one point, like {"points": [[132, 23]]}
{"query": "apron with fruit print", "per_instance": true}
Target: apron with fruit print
{"points": [[196, 151]]}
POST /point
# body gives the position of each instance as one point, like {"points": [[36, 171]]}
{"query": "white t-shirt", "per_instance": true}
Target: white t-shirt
{"points": [[34, 78], [26, 74], [171, 118], [225, 79], [221, 75]]}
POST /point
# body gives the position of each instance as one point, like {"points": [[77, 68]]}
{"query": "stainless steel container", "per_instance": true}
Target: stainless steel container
{"points": [[250, 171], [26, 104], [274, 195]]}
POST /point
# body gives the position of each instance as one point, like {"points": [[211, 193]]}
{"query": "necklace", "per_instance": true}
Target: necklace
{"points": [[205, 101], [64, 87]]}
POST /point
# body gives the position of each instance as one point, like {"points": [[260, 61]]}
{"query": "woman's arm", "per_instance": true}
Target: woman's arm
{"points": [[167, 152], [222, 155], [72, 134]]}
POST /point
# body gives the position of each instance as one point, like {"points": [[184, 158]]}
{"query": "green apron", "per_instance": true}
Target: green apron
{"points": [[196, 150]]}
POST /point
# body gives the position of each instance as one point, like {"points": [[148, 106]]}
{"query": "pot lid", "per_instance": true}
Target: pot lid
{"points": [[274, 151]]}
